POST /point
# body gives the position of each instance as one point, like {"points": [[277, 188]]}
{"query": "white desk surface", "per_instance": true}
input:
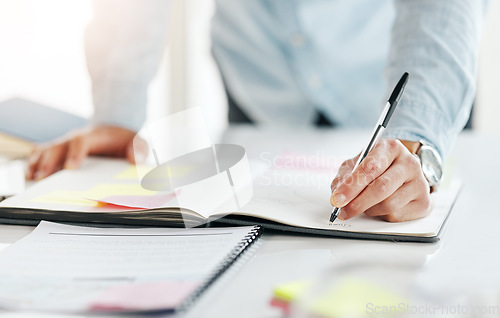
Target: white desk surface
{"points": [[463, 267]]}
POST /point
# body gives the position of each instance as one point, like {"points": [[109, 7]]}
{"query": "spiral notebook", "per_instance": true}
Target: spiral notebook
{"points": [[74, 269]]}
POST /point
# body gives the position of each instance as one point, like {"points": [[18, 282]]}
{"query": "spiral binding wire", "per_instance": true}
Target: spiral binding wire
{"points": [[233, 256]]}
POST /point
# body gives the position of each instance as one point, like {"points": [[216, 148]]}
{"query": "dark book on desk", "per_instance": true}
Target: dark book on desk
{"points": [[24, 123], [78, 196]]}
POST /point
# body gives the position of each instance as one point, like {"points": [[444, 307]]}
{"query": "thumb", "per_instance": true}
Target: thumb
{"points": [[344, 171], [337, 181], [78, 149]]}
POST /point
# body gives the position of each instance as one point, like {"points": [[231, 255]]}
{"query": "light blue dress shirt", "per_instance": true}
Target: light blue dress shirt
{"points": [[282, 60]]}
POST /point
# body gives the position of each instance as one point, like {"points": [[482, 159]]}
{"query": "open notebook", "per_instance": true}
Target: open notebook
{"points": [[283, 200], [79, 269]]}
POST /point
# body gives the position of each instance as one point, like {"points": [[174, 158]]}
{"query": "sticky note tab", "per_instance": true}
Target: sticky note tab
{"points": [[144, 296], [134, 172], [105, 190], [350, 297], [66, 198], [140, 202], [281, 304]]}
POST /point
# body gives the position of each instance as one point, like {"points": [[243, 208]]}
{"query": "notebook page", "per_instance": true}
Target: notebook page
{"points": [[67, 190], [296, 199], [105, 185]]}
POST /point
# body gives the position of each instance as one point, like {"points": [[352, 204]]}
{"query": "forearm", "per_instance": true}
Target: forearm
{"points": [[124, 44], [437, 43]]}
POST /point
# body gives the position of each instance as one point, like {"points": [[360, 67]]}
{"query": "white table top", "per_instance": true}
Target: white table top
{"points": [[463, 267]]}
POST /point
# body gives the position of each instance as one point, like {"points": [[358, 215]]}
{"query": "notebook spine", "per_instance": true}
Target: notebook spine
{"points": [[233, 256]]}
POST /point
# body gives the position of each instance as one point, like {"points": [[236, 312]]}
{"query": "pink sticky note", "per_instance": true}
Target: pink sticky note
{"points": [[139, 201], [281, 304], [144, 296]]}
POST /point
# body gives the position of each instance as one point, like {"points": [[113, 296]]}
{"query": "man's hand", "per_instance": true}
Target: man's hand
{"points": [[69, 152], [388, 184]]}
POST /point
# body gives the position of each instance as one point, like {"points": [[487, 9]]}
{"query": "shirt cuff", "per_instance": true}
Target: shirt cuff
{"points": [[414, 122]]}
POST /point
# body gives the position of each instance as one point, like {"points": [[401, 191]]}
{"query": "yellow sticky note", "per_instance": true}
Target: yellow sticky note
{"points": [[101, 191], [66, 198], [134, 172], [350, 297], [449, 172], [106, 190], [356, 298]]}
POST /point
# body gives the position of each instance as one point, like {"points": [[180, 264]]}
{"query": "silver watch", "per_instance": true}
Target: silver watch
{"points": [[431, 163]]}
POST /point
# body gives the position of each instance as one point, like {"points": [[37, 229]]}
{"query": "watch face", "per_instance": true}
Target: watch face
{"points": [[431, 165]]}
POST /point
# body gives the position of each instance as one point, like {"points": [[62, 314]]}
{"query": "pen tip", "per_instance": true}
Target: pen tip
{"points": [[330, 223]]}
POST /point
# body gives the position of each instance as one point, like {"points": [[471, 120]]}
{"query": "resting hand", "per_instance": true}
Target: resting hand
{"points": [[388, 184], [69, 152]]}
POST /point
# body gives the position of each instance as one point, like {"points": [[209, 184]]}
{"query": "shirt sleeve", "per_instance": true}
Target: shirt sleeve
{"points": [[124, 45], [437, 42]]}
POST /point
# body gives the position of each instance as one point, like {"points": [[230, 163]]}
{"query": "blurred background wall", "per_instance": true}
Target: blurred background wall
{"points": [[42, 58], [488, 96]]}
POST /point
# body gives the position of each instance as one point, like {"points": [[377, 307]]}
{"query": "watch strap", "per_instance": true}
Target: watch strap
{"points": [[412, 146]]}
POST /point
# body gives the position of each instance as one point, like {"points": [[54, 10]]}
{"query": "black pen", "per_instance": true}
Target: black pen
{"points": [[379, 128]]}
